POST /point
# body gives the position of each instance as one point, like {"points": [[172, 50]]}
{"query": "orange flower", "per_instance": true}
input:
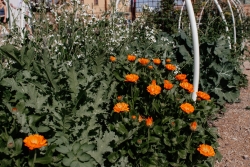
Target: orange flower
{"points": [[180, 77], [149, 121], [150, 67], [112, 58], [121, 107], [131, 78], [203, 95], [143, 61], [170, 67], [187, 86], [187, 108], [119, 98], [168, 85], [133, 116], [193, 126], [157, 61], [185, 80], [35, 141], [140, 119], [168, 60], [154, 89], [206, 150], [131, 58]]}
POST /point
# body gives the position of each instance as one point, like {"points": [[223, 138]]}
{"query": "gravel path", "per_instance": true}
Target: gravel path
{"points": [[234, 130]]}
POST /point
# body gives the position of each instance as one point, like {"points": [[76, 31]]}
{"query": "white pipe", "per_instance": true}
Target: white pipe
{"points": [[195, 38], [116, 5], [179, 23], [22, 18], [237, 9], [199, 20], [232, 13], [223, 18]]}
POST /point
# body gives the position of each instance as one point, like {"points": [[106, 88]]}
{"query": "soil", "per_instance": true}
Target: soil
{"points": [[234, 129]]}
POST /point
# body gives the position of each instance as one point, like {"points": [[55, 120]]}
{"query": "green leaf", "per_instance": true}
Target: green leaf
{"points": [[18, 144], [67, 161], [113, 157], [182, 154], [29, 57], [62, 149], [10, 143], [73, 83], [43, 129], [87, 147], [76, 147], [121, 128], [117, 76], [44, 160], [154, 139], [11, 52], [84, 157], [158, 130]]}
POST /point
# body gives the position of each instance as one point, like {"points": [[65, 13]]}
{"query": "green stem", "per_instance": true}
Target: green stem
{"points": [[33, 164], [132, 96], [148, 136]]}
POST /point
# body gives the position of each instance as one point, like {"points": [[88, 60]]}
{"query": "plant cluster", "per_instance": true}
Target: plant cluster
{"points": [[89, 91], [157, 121]]}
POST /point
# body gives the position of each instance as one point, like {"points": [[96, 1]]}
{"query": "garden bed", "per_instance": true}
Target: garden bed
{"points": [[234, 130]]}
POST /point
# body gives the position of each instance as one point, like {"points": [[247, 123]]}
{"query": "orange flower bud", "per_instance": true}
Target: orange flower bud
{"points": [[14, 109], [193, 126], [143, 61], [150, 67], [119, 98], [133, 116], [140, 119], [206, 150], [149, 121], [139, 141], [168, 60], [112, 58]]}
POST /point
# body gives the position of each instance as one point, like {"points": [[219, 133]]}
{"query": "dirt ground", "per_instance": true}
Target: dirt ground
{"points": [[234, 130]]}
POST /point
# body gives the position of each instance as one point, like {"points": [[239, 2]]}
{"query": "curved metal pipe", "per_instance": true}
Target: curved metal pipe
{"points": [[195, 38], [179, 22]]}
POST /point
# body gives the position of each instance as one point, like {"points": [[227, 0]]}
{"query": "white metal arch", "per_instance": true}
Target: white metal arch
{"points": [[195, 38]]}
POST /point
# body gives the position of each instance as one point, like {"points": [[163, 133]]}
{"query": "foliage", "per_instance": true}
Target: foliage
{"points": [[169, 141], [61, 84], [219, 63]]}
